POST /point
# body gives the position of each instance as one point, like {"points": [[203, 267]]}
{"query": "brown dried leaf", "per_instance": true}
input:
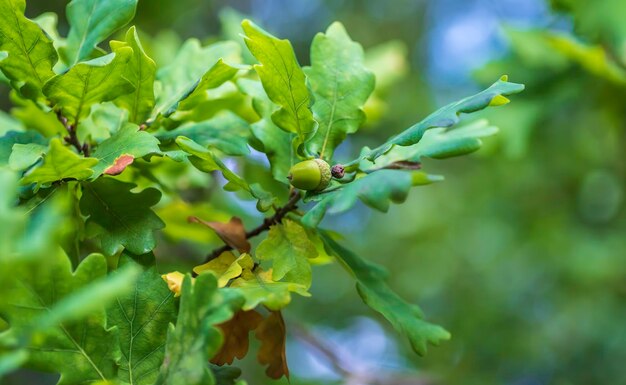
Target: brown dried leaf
{"points": [[232, 233], [236, 339], [273, 335]]}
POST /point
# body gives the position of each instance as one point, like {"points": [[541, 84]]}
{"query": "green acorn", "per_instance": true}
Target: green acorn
{"points": [[311, 175]]}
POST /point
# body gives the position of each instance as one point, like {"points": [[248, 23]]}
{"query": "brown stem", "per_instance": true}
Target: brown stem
{"points": [[267, 223], [72, 138]]}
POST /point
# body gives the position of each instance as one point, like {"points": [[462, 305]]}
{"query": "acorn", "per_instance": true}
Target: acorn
{"points": [[310, 175]]}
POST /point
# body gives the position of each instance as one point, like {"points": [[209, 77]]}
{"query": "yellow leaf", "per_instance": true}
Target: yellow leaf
{"points": [[174, 281]]}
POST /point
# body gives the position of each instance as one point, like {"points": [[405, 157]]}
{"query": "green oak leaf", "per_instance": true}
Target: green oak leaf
{"points": [[405, 317], [283, 80], [91, 22], [226, 132], [446, 117], [376, 190], [274, 142], [96, 81], [17, 137], [205, 160], [179, 79], [217, 75], [140, 72], [437, 143], [125, 218], [195, 338], [288, 247], [24, 156], [261, 289], [127, 143], [64, 313], [341, 85], [142, 317], [31, 54], [60, 163]]}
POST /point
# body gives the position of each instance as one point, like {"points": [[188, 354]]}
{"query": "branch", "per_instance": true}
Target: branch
{"points": [[72, 138], [267, 223]]}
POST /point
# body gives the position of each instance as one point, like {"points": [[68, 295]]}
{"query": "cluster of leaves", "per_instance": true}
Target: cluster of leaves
{"points": [[88, 146]]}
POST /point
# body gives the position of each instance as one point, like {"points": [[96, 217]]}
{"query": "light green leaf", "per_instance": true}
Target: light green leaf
{"points": [[179, 79], [205, 160], [376, 190], [289, 248], [445, 117], [31, 54], [140, 72], [14, 137], [437, 143], [91, 22], [128, 142], [226, 132], [24, 156], [84, 350], [217, 75], [405, 317], [96, 81], [275, 143], [195, 339], [142, 318], [283, 80], [60, 163], [341, 85], [125, 218]]}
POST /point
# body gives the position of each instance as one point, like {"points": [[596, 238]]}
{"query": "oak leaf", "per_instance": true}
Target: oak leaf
{"points": [[273, 335], [236, 341]]}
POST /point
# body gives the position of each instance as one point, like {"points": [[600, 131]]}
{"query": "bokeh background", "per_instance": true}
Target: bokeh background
{"points": [[521, 252]]}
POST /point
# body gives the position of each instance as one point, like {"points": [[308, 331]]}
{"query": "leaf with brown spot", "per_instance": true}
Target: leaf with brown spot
{"points": [[273, 335], [119, 164], [232, 233], [236, 341]]}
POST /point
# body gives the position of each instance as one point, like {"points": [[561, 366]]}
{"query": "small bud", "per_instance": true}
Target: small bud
{"points": [[337, 171]]}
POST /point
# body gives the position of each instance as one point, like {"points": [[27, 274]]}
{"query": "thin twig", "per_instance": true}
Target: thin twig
{"points": [[72, 137], [267, 223]]}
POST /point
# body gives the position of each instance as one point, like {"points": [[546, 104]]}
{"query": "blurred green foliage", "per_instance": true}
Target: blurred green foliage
{"points": [[521, 254]]}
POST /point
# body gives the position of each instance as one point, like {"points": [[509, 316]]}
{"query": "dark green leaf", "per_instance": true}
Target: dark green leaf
{"points": [[437, 143], [405, 317], [142, 318], [376, 190], [226, 132], [447, 116], [81, 350], [195, 338], [205, 160], [125, 218]]}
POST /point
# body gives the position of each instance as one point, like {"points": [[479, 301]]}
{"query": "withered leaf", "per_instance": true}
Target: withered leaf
{"points": [[236, 341], [232, 233], [273, 336]]}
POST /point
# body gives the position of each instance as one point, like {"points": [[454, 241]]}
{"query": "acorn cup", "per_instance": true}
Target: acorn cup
{"points": [[310, 175]]}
